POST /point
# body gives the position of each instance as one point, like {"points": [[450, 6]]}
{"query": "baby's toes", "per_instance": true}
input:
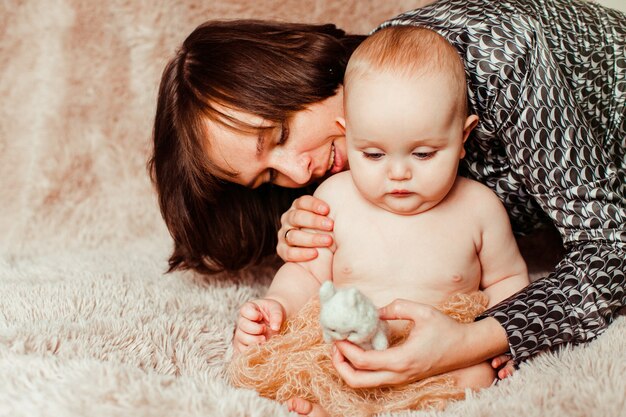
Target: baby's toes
{"points": [[305, 408], [500, 360], [299, 405], [507, 370]]}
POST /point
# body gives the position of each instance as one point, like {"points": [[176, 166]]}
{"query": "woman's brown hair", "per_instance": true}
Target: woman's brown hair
{"points": [[268, 69]]}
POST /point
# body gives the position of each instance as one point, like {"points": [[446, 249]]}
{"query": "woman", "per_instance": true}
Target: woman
{"points": [[246, 109]]}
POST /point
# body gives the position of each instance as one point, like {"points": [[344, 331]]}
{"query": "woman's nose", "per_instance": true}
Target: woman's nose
{"points": [[296, 167]]}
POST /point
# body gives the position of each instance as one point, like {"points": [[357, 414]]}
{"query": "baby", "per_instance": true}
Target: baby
{"points": [[406, 225]]}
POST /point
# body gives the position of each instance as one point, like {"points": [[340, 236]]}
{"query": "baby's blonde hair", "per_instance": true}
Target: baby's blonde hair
{"points": [[409, 51]]}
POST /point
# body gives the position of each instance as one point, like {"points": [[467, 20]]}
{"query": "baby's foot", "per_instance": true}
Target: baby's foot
{"points": [[305, 408], [504, 366]]}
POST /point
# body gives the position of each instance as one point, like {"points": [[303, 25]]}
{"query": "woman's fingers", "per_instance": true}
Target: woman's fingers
{"points": [[305, 219], [307, 239], [406, 310], [359, 377], [293, 254], [307, 212], [296, 244], [312, 204], [391, 359]]}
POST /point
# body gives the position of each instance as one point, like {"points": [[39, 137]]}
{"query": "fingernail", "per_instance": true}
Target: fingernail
{"points": [[327, 224]]}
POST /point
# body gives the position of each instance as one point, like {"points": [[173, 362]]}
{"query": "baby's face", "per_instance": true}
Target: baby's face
{"points": [[405, 138]]}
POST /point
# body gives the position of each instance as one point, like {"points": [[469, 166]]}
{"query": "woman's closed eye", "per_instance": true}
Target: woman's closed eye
{"points": [[284, 134], [272, 174], [282, 139]]}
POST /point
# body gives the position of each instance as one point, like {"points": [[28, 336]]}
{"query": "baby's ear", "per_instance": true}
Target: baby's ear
{"points": [[341, 122], [327, 290], [470, 123]]}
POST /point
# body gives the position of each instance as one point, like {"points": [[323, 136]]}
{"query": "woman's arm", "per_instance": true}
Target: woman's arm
{"points": [[565, 167]]}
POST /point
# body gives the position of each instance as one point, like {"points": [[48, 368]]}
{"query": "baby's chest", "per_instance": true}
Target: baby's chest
{"points": [[412, 261]]}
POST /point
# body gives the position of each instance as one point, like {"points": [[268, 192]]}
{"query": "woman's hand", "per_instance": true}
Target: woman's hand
{"points": [[297, 245], [436, 344]]}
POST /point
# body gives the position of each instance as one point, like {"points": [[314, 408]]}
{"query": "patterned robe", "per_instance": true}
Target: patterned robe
{"points": [[548, 80]]}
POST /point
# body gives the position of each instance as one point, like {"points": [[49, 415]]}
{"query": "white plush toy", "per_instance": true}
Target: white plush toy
{"points": [[347, 314]]}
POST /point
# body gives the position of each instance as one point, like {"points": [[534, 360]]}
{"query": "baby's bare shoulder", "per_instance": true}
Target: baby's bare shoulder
{"points": [[335, 187], [472, 194], [479, 198], [468, 188]]}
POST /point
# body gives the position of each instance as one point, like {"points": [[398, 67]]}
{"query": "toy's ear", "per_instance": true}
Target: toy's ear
{"points": [[352, 297], [327, 290]]}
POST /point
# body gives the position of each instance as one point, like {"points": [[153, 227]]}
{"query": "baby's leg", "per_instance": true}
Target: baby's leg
{"points": [[305, 408], [474, 377]]}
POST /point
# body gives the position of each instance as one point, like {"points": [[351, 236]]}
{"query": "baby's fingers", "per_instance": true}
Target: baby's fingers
{"points": [[273, 315], [243, 341], [250, 327], [251, 311]]}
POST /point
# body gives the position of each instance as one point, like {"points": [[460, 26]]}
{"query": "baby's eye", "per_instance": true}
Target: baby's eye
{"points": [[424, 155], [373, 155]]}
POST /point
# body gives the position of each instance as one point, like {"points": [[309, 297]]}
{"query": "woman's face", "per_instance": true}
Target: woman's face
{"points": [[310, 146]]}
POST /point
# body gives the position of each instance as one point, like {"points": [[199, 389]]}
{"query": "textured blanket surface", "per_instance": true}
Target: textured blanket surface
{"points": [[89, 324]]}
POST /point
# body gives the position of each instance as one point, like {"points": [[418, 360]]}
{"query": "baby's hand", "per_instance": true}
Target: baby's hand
{"points": [[258, 321]]}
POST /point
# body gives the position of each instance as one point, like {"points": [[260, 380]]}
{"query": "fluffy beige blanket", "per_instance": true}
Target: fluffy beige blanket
{"points": [[89, 324]]}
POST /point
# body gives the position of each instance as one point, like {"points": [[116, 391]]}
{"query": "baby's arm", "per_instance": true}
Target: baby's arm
{"points": [[504, 271], [293, 285], [261, 319]]}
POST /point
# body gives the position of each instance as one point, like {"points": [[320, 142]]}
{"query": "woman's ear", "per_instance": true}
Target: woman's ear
{"points": [[341, 122]]}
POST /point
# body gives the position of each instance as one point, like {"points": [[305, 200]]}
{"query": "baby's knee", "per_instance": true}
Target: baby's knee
{"points": [[475, 377]]}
